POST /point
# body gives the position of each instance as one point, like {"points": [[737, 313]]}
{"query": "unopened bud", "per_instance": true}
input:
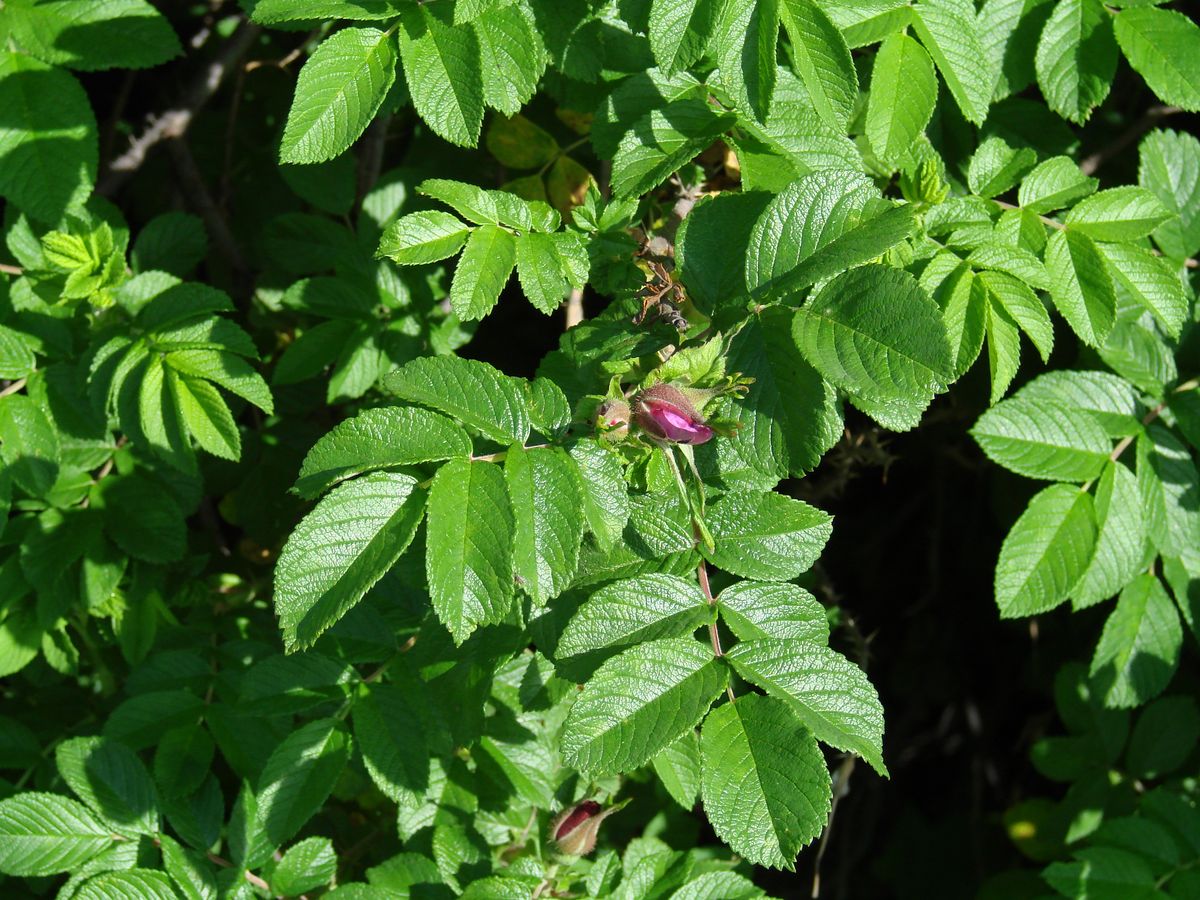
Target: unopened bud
{"points": [[612, 420], [574, 830], [664, 412]]}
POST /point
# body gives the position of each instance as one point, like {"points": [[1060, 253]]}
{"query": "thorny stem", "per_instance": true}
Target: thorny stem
{"points": [[713, 634]]}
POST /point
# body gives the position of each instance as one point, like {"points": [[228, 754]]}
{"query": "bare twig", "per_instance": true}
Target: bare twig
{"points": [[11, 270], [1095, 160], [250, 876], [574, 307], [173, 122], [13, 388]]}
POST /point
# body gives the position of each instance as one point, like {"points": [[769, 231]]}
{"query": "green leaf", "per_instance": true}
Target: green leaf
{"points": [[133, 884], [206, 416], [173, 242], [125, 34], [1163, 46], [390, 730], [1138, 650], [192, 874], [157, 534], [826, 691], [469, 553], [1004, 348], [141, 721], [299, 776], [726, 885], [1170, 167], [29, 444], [766, 790], [1039, 439], [380, 438], [963, 299], [678, 768], [1076, 58], [548, 516], [823, 61], [1118, 214], [340, 88], [1120, 540], [511, 56], [1164, 736], [305, 866], [755, 610], [485, 207], [48, 146], [340, 549], [1150, 281], [662, 141], [1053, 184], [1169, 485], [443, 68], [627, 613], [423, 237], [276, 12], [679, 31], [181, 760], [996, 167], [886, 351], [902, 97], [1109, 399], [1102, 872], [1080, 285], [44, 834], [279, 685], [605, 499], [744, 47], [638, 703], [766, 535], [482, 272], [1045, 552], [1022, 306], [540, 271], [483, 399], [950, 33], [110, 778]]}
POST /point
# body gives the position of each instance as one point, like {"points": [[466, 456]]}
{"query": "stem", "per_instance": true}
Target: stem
{"points": [[250, 876], [13, 388], [714, 635], [11, 270], [574, 308]]}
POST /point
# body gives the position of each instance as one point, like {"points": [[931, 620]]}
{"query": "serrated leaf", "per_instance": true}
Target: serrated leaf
{"points": [[206, 416], [823, 61], [996, 166], [340, 549], [305, 866], [540, 271], [1111, 400], [744, 46], [482, 272], [181, 760], [1045, 552], [1038, 439], [192, 875], [755, 610], [483, 399], [662, 141], [443, 68], [299, 776], [827, 692], [1004, 349], [1081, 286], [548, 517], [380, 438], [1076, 58], [1164, 736], [1023, 306], [469, 546], [157, 534], [1054, 183], [276, 12], [44, 834], [678, 768], [679, 31], [963, 299], [389, 729], [48, 145], [423, 237], [605, 497], [950, 33], [1169, 165], [279, 685], [1163, 46], [1120, 540], [1118, 214], [639, 702], [225, 370], [1168, 484], [132, 884], [766, 535], [766, 790], [1139, 647], [902, 97], [126, 34], [511, 57], [142, 720], [109, 777], [627, 613], [1101, 872], [340, 88]]}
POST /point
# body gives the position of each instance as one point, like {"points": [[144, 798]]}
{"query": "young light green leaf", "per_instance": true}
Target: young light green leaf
{"points": [[44, 834], [109, 777], [126, 34], [679, 31], [1053, 184], [423, 237], [299, 776], [206, 415], [826, 691], [1076, 58], [996, 166], [902, 97], [638, 703], [1163, 46], [548, 516], [1139, 647], [1118, 214], [483, 399], [482, 271], [305, 866], [1170, 167], [950, 32], [1081, 286], [764, 782], [1120, 540], [1039, 439], [469, 546], [340, 549], [626, 613], [823, 60], [379, 438], [340, 88], [766, 535], [755, 610], [443, 68], [1021, 305], [511, 57], [744, 45], [1045, 552]]}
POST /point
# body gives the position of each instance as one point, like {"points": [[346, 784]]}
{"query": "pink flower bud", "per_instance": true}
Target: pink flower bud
{"points": [[612, 420], [664, 412], [574, 830]]}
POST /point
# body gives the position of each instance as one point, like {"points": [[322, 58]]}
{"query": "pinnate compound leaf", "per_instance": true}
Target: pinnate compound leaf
{"points": [[765, 786], [126, 34], [469, 546], [1139, 647], [299, 776], [443, 68], [44, 834], [1046, 552], [1076, 58], [423, 237], [827, 692], [379, 438], [950, 32], [548, 512], [1081, 286], [474, 393], [1118, 214], [1170, 167], [902, 97], [638, 703], [766, 535], [679, 31], [823, 61], [48, 141], [1120, 539], [744, 45], [755, 610], [625, 613], [340, 549], [1163, 46], [109, 777], [340, 88], [1039, 439], [1053, 184], [225, 370]]}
